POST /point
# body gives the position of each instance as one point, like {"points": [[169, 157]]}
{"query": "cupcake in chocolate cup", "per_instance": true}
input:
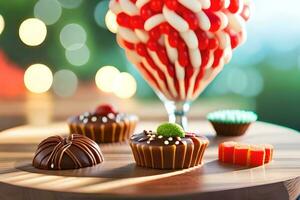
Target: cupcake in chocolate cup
{"points": [[104, 125], [231, 122], [169, 147]]}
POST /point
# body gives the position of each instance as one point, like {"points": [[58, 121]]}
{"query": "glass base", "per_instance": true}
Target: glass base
{"points": [[177, 112]]}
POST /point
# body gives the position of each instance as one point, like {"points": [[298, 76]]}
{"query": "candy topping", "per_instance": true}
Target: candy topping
{"points": [[232, 116], [170, 130], [105, 109]]}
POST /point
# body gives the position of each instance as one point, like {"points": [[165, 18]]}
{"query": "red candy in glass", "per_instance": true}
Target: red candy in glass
{"points": [[179, 46]]}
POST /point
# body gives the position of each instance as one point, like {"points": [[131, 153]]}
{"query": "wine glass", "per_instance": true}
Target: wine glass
{"points": [[180, 46]]}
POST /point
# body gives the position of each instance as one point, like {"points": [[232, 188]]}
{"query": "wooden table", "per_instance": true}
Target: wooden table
{"points": [[119, 178]]}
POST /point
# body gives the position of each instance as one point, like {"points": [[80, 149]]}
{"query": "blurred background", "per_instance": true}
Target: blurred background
{"points": [[59, 58]]}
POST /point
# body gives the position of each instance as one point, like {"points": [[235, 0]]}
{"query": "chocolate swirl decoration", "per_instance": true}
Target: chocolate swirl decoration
{"points": [[73, 152]]}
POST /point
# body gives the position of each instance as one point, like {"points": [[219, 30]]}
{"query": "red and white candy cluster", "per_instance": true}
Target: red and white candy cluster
{"points": [[179, 46]]}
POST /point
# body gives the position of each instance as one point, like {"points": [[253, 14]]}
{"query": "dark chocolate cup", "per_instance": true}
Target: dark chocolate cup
{"points": [[184, 155], [226, 129], [105, 133]]}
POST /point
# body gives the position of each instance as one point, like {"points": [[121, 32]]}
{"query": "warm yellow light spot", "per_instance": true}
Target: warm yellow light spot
{"points": [[111, 21], [105, 78], [124, 85], [38, 78], [32, 31], [2, 24]]}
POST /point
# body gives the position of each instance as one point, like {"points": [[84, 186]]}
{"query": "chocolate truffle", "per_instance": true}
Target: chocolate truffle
{"points": [[104, 125], [73, 152], [168, 148], [231, 122]]}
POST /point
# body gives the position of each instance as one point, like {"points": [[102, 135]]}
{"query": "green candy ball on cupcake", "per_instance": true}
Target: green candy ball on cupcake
{"points": [[170, 130]]}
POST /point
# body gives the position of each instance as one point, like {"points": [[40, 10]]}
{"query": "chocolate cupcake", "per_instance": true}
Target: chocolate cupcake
{"points": [[231, 122], [73, 152], [168, 148], [104, 125]]}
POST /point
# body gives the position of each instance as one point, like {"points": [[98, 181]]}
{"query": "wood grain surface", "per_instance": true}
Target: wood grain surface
{"points": [[119, 178]]}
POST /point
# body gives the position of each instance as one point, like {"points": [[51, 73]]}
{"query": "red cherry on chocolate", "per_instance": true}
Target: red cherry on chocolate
{"points": [[156, 5], [171, 4], [105, 109]]}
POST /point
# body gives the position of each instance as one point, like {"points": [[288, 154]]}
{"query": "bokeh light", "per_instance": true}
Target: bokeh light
{"points": [[38, 78], [105, 77], [124, 85], [100, 13], [49, 11], [78, 57], [32, 31], [2, 24], [255, 83], [245, 82], [70, 4], [237, 81], [65, 83], [111, 21], [72, 36]]}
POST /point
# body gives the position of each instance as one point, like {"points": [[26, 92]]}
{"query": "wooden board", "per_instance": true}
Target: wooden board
{"points": [[119, 178]]}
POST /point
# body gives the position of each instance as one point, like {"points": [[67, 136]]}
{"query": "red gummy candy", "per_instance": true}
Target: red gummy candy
{"points": [[226, 150], [240, 154], [269, 153], [256, 155], [244, 154]]}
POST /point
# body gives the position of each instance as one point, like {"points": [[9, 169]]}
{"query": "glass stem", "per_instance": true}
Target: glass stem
{"points": [[177, 112]]}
